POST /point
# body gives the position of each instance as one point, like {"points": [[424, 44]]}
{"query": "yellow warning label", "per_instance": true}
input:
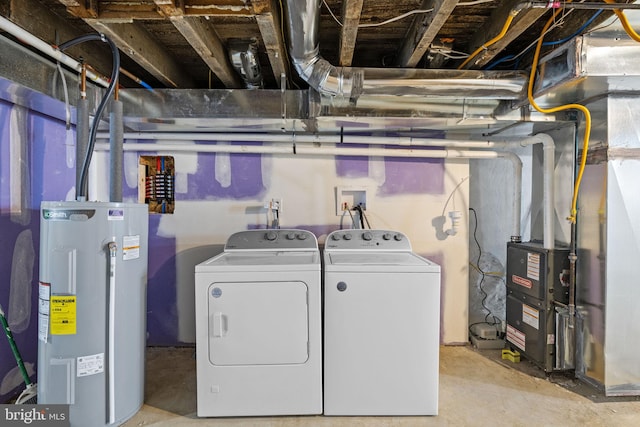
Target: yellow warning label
{"points": [[63, 315]]}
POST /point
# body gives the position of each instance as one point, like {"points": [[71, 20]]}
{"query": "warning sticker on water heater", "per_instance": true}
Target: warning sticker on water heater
{"points": [[116, 215], [130, 247], [44, 293], [63, 315], [90, 365]]}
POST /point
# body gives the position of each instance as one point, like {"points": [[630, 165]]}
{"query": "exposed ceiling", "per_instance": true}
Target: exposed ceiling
{"points": [[185, 43]]}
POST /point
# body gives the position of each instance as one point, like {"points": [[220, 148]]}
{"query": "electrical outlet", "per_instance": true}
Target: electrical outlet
{"points": [[349, 197]]}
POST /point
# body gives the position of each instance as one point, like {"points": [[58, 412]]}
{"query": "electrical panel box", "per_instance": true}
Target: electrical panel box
{"points": [[156, 183], [537, 279]]}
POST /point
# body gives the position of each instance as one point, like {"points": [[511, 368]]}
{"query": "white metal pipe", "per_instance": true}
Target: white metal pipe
{"points": [[308, 149], [288, 138], [47, 49], [112, 246], [549, 151]]}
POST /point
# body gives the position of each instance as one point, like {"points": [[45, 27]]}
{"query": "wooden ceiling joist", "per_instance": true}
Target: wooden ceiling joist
{"points": [[423, 31], [351, 11], [208, 45], [268, 19], [138, 44]]}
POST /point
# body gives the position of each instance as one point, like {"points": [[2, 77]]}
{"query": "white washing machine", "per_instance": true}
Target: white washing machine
{"points": [[258, 326], [381, 326]]}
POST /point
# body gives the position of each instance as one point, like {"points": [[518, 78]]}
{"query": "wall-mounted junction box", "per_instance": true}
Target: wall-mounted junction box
{"points": [[350, 197], [156, 183]]}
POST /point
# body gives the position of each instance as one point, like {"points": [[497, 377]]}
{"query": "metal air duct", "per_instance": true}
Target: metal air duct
{"points": [[243, 55], [345, 84]]}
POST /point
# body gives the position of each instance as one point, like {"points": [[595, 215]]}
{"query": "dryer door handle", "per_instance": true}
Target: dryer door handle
{"points": [[220, 325]]}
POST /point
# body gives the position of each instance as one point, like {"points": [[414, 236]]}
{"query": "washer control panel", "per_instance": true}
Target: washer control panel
{"points": [[272, 240], [356, 239]]}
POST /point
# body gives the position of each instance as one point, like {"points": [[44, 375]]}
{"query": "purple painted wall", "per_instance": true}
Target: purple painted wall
{"points": [[47, 177]]}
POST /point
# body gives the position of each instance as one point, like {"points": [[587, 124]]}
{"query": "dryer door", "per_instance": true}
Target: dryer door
{"points": [[258, 323]]}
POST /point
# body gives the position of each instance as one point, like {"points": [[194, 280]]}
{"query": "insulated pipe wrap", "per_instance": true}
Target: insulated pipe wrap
{"points": [[116, 140], [82, 138]]}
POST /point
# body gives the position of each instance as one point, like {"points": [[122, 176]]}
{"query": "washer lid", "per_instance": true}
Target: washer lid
{"points": [[378, 261], [262, 261]]}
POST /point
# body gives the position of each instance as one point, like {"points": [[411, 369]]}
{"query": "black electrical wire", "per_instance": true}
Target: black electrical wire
{"points": [[484, 294], [366, 220], [81, 193], [359, 210]]}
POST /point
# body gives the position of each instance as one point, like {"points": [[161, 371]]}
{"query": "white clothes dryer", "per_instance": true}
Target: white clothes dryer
{"points": [[258, 326], [381, 326]]}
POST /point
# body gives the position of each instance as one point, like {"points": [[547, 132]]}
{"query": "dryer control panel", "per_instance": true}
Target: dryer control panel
{"points": [[361, 239], [272, 240]]}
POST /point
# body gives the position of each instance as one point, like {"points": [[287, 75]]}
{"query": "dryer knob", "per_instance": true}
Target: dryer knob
{"points": [[271, 235], [335, 237], [386, 236], [347, 236], [302, 236], [367, 236], [398, 237], [291, 236]]}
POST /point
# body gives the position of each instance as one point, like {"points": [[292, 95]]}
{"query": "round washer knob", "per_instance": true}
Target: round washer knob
{"points": [[302, 236], [291, 236], [398, 237], [386, 236], [367, 236], [335, 237], [271, 235], [347, 236]]}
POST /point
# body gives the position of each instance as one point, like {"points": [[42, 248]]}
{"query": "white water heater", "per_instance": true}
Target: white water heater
{"points": [[92, 309]]}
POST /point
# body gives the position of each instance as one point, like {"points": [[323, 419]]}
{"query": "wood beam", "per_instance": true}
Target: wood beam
{"points": [[207, 44], [520, 24], [351, 11], [138, 44], [217, 7], [268, 19], [80, 9], [423, 31], [203, 39], [114, 11]]}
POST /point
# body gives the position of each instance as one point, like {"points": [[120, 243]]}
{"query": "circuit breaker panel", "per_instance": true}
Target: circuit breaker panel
{"points": [[537, 284], [156, 183]]}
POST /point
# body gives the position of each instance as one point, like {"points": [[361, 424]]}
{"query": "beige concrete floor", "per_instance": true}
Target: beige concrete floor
{"points": [[474, 391]]}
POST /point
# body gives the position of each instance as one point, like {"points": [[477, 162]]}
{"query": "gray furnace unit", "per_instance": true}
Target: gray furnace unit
{"points": [[92, 309], [537, 284]]}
